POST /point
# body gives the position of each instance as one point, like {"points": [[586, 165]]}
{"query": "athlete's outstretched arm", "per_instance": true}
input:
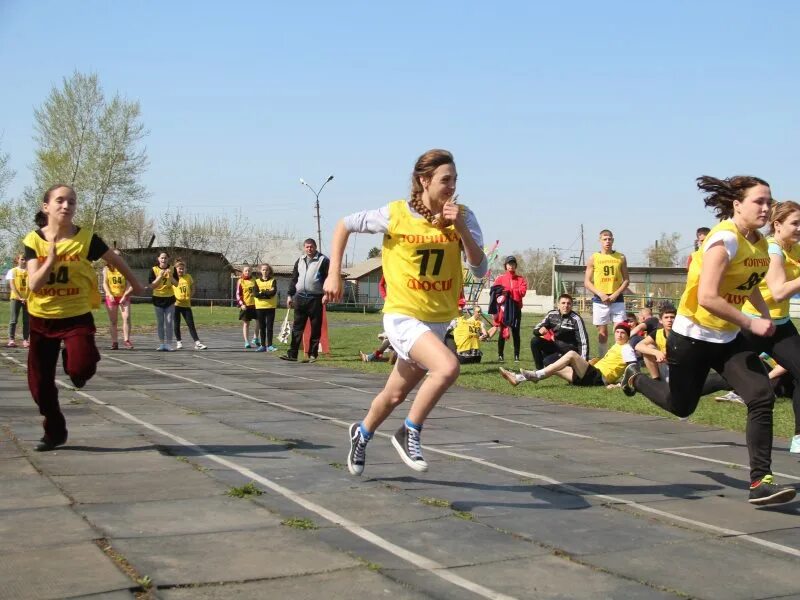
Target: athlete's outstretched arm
{"points": [[333, 282]]}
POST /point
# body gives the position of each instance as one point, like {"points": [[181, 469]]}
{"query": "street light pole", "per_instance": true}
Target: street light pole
{"points": [[316, 206]]}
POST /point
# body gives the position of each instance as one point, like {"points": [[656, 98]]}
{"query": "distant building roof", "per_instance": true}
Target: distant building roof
{"points": [[359, 270], [276, 269], [173, 251]]}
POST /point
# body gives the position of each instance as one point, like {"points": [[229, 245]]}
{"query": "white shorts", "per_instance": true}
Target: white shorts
{"points": [[403, 332], [603, 314]]}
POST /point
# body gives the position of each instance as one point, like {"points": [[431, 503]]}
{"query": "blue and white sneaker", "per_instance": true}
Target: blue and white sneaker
{"points": [[261, 349], [247, 345], [795, 447], [161, 348], [271, 349]]}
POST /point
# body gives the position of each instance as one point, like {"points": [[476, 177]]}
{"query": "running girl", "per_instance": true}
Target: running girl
{"points": [[266, 300], [118, 300], [162, 280], [422, 243], [782, 282], [706, 334], [63, 291], [18, 284], [247, 304], [184, 290]]}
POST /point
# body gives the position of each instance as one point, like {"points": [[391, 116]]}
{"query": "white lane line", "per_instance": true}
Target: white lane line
{"points": [[413, 558], [692, 447], [519, 473], [516, 422], [725, 462]]}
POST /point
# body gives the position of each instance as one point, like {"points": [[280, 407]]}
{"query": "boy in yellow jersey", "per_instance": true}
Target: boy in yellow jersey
{"points": [[266, 296], [118, 299], [246, 300], [781, 283], [184, 290], [162, 280], [63, 289], [576, 370], [606, 277], [422, 243], [468, 331], [18, 285], [706, 334]]}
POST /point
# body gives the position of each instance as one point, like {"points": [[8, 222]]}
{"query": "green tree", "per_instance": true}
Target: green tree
{"points": [[664, 251], [374, 252], [94, 145]]}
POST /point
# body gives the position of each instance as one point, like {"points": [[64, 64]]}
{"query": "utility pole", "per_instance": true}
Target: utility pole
{"points": [[583, 255], [316, 206]]}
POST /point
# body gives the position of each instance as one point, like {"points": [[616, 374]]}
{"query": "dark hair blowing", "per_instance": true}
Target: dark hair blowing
{"points": [[720, 194]]}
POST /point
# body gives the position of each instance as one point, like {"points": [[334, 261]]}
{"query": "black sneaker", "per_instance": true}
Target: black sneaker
{"points": [[406, 442], [358, 450], [46, 444], [500, 359], [287, 357], [627, 379], [764, 492]]}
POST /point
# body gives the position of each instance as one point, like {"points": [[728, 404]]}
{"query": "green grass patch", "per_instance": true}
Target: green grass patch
{"points": [[295, 523], [438, 502], [244, 491], [463, 514]]}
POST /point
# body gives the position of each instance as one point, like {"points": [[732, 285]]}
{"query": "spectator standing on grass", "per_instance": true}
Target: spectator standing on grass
{"points": [[63, 292], [17, 278], [707, 333], [306, 297], [184, 290], [606, 277], [514, 287], [118, 300], [162, 280], [561, 330]]}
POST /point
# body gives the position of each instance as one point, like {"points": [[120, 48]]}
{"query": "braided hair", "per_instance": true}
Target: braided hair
{"points": [[424, 168]]}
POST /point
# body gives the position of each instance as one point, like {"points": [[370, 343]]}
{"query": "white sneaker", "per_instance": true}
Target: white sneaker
{"points": [[198, 345], [795, 447], [178, 345], [730, 397]]}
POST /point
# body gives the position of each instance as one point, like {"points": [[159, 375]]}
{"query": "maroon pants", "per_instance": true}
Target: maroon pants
{"points": [[80, 363]]}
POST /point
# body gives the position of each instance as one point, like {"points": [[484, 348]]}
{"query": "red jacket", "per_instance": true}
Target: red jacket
{"points": [[515, 285]]}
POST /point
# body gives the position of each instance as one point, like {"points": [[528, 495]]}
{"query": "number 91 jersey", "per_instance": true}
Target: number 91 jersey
{"points": [[71, 288], [422, 267]]}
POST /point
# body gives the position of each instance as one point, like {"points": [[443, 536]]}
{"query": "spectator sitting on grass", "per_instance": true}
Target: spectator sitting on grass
{"points": [[561, 330]]}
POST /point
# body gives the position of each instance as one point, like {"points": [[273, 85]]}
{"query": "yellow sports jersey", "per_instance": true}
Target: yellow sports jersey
{"points": [[422, 267], [262, 286], [661, 340], [116, 282], [745, 271], [467, 334], [165, 288], [20, 291], [791, 265], [612, 365], [607, 276], [183, 291], [248, 297], [71, 288]]}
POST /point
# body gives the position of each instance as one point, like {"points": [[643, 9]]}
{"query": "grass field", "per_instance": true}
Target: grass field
{"points": [[351, 332]]}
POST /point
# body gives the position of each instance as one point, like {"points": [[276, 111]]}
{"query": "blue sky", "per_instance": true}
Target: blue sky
{"points": [[558, 113]]}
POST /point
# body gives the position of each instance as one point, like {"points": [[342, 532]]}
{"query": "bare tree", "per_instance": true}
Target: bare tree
{"points": [[93, 145], [664, 251], [536, 264]]}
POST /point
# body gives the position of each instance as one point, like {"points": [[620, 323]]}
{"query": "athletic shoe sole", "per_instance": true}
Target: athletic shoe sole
{"points": [[417, 465], [779, 497], [509, 376]]}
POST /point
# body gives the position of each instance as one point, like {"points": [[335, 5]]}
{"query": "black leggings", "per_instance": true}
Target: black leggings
{"points": [[186, 313], [784, 347], [689, 363], [266, 323], [501, 343]]}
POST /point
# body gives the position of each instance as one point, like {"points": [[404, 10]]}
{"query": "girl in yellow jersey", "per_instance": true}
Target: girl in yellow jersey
{"points": [[118, 299], [422, 243], [184, 290], [706, 334], [266, 298], [18, 283], [162, 280], [246, 299], [782, 282], [63, 287]]}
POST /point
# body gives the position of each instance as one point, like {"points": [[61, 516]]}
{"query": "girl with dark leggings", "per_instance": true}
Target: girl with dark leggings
{"points": [[706, 334], [515, 287], [782, 282]]}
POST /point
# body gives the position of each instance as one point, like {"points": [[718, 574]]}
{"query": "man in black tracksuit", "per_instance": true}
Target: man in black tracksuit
{"points": [[560, 331], [305, 296]]}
